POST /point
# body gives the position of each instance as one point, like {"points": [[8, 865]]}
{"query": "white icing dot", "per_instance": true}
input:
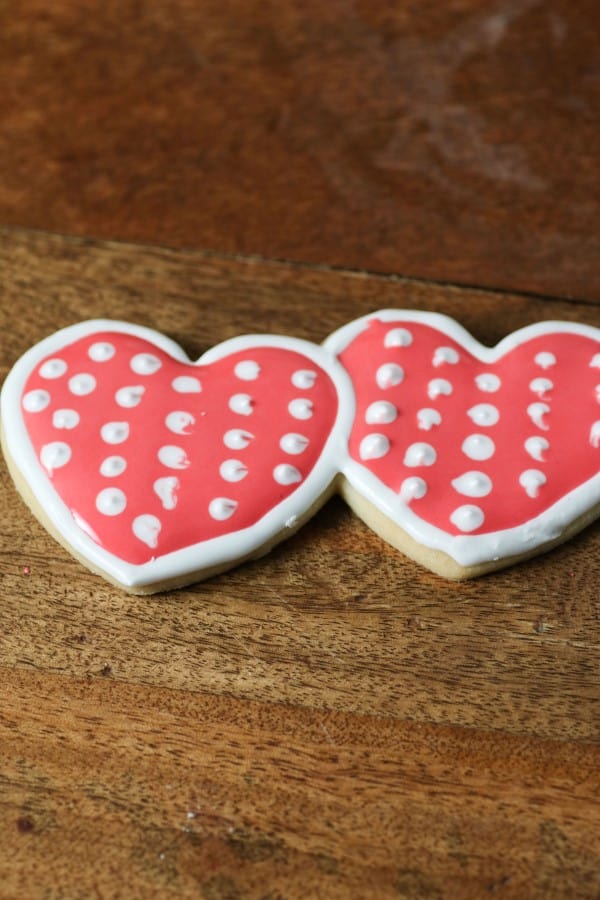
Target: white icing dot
{"points": [[179, 421], [285, 474], [129, 396], [304, 379], [445, 355], [541, 386], [293, 443], [82, 384], [381, 413], [114, 432], [374, 446], [484, 414], [536, 412], [427, 418], [389, 375], [166, 490], [113, 466], [237, 438], [301, 408], [536, 446], [478, 446], [65, 418], [247, 370], [232, 470], [473, 484], [173, 457], [241, 404], [36, 401], [467, 518], [420, 454], [413, 488], [186, 384], [111, 501], [595, 361], [545, 360], [53, 368], [398, 337], [55, 455], [101, 351], [221, 508], [531, 481], [438, 387], [147, 528], [488, 382], [145, 363], [595, 434]]}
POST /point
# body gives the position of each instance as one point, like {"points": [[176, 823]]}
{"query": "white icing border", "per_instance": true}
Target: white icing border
{"points": [[469, 550], [209, 554]]}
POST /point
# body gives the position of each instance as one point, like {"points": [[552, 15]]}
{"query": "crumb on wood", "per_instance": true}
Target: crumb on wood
{"points": [[25, 824]]}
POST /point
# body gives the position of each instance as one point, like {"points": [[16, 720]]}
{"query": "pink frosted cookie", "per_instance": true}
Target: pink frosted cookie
{"points": [[156, 471], [469, 458]]}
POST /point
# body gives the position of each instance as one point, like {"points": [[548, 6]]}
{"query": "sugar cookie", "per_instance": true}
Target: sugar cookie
{"points": [[469, 458], [156, 471]]}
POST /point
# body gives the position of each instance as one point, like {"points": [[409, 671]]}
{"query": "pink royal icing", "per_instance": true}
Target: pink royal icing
{"points": [[144, 455], [152, 467], [452, 439]]}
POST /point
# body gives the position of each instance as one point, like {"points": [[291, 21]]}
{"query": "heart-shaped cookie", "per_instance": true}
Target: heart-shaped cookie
{"points": [[468, 458], [156, 471]]}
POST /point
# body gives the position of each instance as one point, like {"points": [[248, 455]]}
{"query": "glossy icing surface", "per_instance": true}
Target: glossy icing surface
{"points": [[151, 466], [514, 429], [143, 456]]}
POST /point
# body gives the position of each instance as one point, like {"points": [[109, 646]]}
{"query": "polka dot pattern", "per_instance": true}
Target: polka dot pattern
{"points": [[166, 489], [233, 470], [247, 370], [179, 421], [381, 412], [146, 529], [113, 466], [65, 418], [242, 404], [55, 455], [101, 351], [531, 480], [374, 446], [35, 401], [186, 384], [152, 454], [145, 363], [472, 447], [114, 432], [82, 384], [294, 443], [111, 501], [286, 474], [301, 408], [389, 375], [130, 396], [304, 379], [222, 508], [53, 368]]}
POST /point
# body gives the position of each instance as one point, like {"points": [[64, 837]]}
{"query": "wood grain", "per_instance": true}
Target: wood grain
{"points": [[455, 141], [188, 794], [329, 721]]}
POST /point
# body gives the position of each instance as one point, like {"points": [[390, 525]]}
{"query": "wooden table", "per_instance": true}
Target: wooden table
{"points": [[332, 720]]}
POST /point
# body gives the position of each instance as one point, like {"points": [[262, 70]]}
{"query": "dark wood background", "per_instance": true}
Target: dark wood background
{"points": [[330, 721]]}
